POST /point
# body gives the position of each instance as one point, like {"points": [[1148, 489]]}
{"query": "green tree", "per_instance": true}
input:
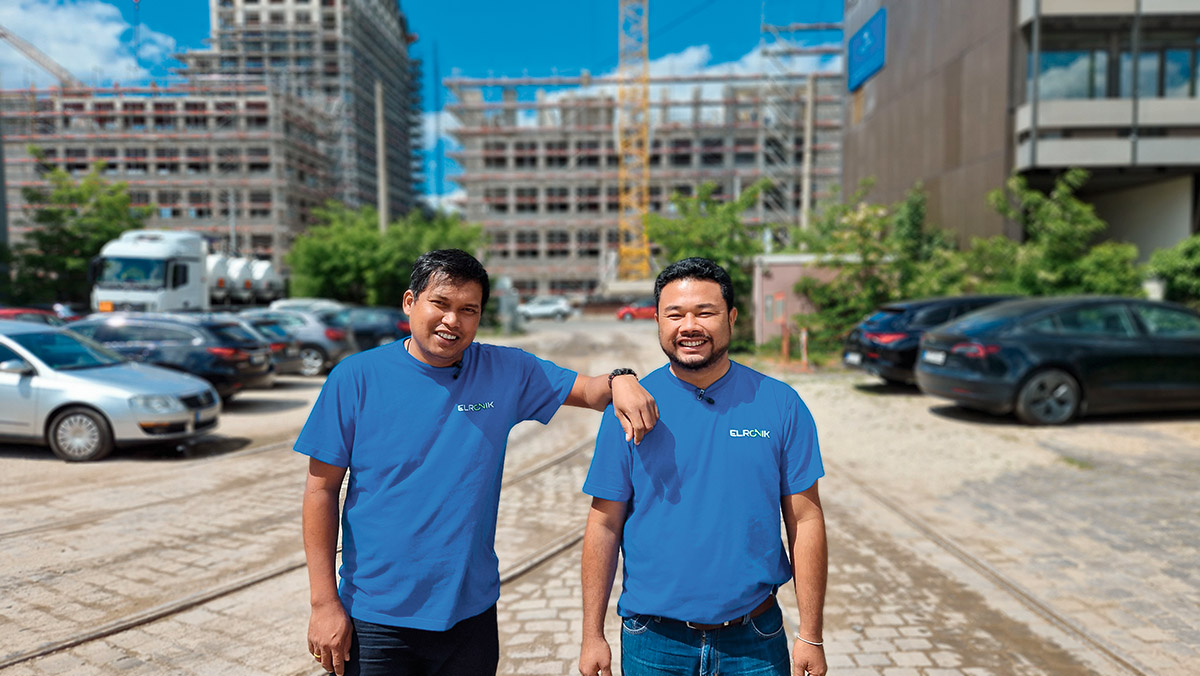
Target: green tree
{"points": [[1179, 268], [346, 257], [706, 227], [69, 223], [1058, 256]]}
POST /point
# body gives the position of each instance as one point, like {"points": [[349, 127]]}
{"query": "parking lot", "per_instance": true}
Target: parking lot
{"points": [[961, 543]]}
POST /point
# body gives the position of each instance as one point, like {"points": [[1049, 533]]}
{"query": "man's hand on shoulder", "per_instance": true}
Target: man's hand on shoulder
{"points": [[595, 657], [634, 406], [808, 659]]}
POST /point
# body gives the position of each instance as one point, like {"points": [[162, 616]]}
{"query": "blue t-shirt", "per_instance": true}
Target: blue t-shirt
{"points": [[425, 451], [702, 532]]}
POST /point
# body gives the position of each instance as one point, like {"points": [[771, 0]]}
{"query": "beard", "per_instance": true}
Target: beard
{"points": [[717, 353]]}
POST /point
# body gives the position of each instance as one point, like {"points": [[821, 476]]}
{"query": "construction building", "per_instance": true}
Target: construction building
{"points": [[540, 171], [190, 152], [961, 95], [335, 51]]}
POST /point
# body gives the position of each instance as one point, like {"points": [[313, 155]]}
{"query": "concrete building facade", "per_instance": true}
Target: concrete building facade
{"points": [[334, 51], [540, 170], [188, 152], [972, 92]]}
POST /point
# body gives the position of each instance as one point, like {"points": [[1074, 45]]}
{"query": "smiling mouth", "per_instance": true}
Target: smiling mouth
{"points": [[691, 342], [449, 337]]}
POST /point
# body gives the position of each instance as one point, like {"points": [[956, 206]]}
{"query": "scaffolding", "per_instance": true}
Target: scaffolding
{"points": [[541, 165]]}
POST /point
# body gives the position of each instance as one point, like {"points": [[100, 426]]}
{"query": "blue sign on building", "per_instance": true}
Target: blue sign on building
{"points": [[866, 50]]}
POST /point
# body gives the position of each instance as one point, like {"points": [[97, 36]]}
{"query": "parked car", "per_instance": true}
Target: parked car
{"points": [[29, 314], [639, 309], [213, 346], [323, 338], [285, 347], [545, 307], [1051, 359], [82, 399], [885, 343], [370, 327], [306, 304]]}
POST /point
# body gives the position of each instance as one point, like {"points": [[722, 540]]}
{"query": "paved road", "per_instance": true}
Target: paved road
{"points": [[960, 544]]}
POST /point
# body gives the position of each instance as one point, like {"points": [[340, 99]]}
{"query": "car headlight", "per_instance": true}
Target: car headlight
{"points": [[156, 403]]}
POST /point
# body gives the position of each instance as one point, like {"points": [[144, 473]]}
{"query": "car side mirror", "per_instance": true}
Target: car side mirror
{"points": [[18, 366]]}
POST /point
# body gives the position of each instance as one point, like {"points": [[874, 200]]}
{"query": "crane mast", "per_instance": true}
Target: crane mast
{"points": [[632, 126]]}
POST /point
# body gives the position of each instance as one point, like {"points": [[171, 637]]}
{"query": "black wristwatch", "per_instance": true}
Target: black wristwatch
{"points": [[619, 372]]}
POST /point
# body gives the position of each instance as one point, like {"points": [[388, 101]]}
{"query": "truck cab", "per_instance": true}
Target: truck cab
{"points": [[151, 271]]}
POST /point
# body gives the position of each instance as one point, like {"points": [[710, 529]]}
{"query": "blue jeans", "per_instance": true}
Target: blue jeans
{"points": [[652, 646], [469, 648]]}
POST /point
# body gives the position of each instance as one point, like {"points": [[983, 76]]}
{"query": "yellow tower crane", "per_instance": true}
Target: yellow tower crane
{"points": [[632, 126]]}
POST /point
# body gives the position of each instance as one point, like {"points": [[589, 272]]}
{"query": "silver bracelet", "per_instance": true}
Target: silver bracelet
{"points": [[816, 643]]}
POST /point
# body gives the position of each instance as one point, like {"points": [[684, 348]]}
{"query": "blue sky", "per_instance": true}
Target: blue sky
{"points": [[95, 39]]}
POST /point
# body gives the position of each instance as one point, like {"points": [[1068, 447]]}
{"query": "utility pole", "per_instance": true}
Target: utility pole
{"points": [[381, 158]]}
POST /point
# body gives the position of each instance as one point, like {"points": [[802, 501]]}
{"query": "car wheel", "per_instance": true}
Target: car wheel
{"points": [[1049, 397], [79, 434], [628, 316], [561, 316], [312, 360]]}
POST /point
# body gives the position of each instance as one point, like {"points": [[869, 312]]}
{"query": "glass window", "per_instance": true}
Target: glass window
{"points": [[931, 317], [232, 332], [1164, 322], [7, 353], [1097, 320], [1148, 70], [1178, 79], [62, 350]]}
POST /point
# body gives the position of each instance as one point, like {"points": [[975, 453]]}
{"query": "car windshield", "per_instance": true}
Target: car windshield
{"points": [[989, 318], [271, 329], [887, 317], [66, 351], [234, 333], [137, 273]]}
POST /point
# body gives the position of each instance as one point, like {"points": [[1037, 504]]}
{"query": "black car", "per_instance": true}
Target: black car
{"points": [[1050, 359], [370, 327], [285, 347], [885, 343], [214, 346]]}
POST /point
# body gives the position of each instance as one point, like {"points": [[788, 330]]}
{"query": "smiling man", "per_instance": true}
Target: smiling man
{"points": [[421, 426], [696, 507]]}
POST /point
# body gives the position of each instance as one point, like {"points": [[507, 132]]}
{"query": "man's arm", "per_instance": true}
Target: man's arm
{"points": [[805, 523], [601, 541], [634, 406], [329, 628]]}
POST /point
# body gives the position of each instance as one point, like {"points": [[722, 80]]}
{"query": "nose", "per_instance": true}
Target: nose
{"points": [[689, 322]]}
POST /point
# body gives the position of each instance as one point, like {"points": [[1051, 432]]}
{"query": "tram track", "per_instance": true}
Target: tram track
{"points": [[545, 551]]}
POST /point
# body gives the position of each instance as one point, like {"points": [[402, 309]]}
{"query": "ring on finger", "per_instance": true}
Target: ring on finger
{"points": [[317, 655]]}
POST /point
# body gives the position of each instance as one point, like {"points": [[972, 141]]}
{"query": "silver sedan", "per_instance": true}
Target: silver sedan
{"points": [[61, 389]]}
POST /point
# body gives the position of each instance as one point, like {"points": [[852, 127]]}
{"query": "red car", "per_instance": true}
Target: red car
{"points": [[28, 314], [642, 309]]}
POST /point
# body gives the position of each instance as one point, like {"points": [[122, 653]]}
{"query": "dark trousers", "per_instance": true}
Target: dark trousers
{"points": [[469, 648]]}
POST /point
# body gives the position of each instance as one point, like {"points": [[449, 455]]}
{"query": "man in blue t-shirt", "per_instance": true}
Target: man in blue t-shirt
{"points": [[696, 507], [421, 426]]}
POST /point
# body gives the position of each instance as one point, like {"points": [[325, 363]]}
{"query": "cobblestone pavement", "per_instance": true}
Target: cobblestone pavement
{"points": [[960, 544]]}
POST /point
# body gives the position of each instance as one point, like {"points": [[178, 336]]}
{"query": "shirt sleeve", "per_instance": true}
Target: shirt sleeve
{"points": [[609, 476], [544, 387], [801, 456], [328, 434]]}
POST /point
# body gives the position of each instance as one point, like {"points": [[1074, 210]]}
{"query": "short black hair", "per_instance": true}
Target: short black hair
{"points": [[695, 268], [454, 265]]}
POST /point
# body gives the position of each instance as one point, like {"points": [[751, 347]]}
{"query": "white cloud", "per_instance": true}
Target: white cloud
{"points": [[429, 129], [87, 37], [451, 202]]}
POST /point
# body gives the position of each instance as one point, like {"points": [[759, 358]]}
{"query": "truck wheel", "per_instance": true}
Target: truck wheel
{"points": [[312, 360], [79, 434]]}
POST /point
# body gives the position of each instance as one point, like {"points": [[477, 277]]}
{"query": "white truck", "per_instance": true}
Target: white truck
{"points": [[151, 271]]}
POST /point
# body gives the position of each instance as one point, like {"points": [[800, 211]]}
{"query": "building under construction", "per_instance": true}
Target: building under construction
{"points": [[191, 152], [281, 114], [540, 168], [336, 51]]}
